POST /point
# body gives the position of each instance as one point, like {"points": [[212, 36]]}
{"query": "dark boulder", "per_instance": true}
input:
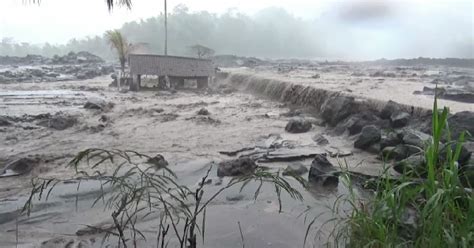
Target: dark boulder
{"points": [[296, 169], [389, 109], [298, 125], [464, 155], [399, 119], [374, 148], [461, 121], [320, 140], [398, 152], [415, 138], [81, 76], [458, 96], [158, 161], [466, 174], [58, 122], [322, 171], [4, 121], [37, 72], [336, 109], [236, 167], [18, 167], [355, 123], [203, 111], [369, 136], [413, 165], [97, 103], [390, 139]]}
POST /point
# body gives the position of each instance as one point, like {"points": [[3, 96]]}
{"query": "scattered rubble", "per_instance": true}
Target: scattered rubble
{"points": [[35, 68]]}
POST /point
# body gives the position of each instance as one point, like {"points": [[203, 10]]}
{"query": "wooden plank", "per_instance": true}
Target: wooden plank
{"points": [[148, 64]]}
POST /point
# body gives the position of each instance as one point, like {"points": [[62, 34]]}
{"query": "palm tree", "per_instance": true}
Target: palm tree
{"points": [[110, 3], [120, 44], [127, 3]]}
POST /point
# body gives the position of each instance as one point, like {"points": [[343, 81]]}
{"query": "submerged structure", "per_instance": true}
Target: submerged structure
{"points": [[177, 69]]}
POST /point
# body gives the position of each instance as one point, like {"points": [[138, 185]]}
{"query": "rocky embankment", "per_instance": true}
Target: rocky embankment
{"points": [[36, 68], [394, 132], [452, 76]]}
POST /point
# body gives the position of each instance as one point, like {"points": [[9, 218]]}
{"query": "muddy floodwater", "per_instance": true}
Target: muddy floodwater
{"points": [[153, 122], [48, 122]]}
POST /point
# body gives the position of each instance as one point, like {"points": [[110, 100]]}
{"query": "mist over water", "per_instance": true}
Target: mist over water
{"points": [[349, 30]]}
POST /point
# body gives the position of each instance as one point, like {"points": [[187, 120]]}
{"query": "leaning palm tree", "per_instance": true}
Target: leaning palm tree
{"points": [[121, 46]]}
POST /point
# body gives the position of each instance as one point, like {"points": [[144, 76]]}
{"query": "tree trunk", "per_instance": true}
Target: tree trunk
{"points": [[122, 77]]}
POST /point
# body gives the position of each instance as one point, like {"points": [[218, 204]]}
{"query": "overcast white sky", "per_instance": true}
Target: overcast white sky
{"points": [[56, 21], [61, 20]]}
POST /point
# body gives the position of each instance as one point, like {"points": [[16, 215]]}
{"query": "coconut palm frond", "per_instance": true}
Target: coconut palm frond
{"points": [[119, 43], [112, 3]]}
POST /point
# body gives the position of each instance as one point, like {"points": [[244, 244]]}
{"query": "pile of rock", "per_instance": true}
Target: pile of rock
{"points": [[27, 60], [395, 133], [77, 58], [73, 66], [70, 58]]}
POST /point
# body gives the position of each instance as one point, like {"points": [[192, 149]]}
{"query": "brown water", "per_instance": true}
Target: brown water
{"points": [[155, 122]]}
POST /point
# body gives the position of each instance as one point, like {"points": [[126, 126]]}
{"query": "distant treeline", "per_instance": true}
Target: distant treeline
{"points": [[272, 32]]}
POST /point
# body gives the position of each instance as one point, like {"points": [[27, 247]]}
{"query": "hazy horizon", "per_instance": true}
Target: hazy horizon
{"points": [[353, 29]]}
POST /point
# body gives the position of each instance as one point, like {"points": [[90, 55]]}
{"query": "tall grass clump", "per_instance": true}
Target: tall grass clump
{"points": [[431, 209]]}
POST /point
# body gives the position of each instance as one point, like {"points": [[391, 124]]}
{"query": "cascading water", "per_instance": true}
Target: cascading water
{"points": [[306, 96]]}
